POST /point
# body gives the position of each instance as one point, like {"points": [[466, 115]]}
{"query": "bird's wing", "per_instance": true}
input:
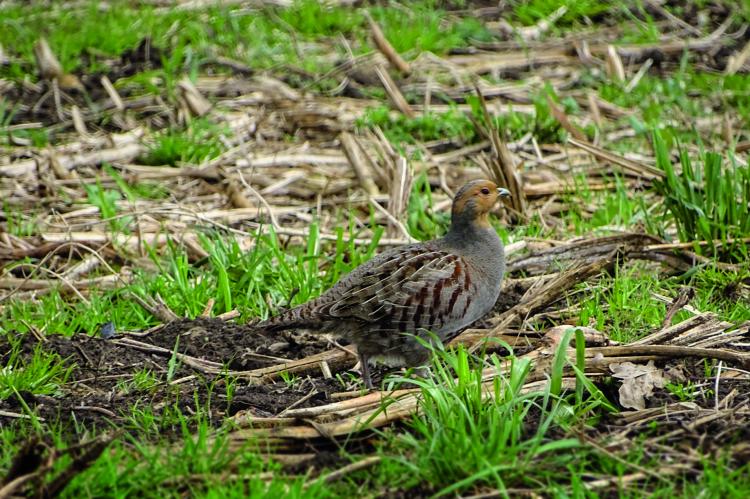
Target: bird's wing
{"points": [[417, 288]]}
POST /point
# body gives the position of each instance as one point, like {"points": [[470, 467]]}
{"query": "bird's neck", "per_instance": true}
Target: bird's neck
{"points": [[463, 232]]}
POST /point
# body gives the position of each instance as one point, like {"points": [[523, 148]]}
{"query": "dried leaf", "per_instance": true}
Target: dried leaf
{"points": [[69, 81], [638, 382]]}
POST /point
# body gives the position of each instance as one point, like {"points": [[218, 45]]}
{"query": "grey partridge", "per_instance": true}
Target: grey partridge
{"points": [[436, 287]]}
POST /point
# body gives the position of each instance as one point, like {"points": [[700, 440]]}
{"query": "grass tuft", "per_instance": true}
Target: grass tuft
{"points": [[709, 199], [42, 374], [500, 434], [200, 141]]}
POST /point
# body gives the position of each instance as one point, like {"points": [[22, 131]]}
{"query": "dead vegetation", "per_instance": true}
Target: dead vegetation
{"points": [[292, 155]]}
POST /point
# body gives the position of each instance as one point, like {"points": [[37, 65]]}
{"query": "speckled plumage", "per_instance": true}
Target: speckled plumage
{"points": [[439, 286]]}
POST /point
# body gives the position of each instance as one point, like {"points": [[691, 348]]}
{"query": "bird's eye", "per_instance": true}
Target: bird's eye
{"points": [[485, 191]]}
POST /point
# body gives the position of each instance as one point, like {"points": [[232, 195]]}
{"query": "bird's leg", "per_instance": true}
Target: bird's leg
{"points": [[364, 367]]}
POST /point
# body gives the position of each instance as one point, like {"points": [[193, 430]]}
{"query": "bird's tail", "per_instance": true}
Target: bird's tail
{"points": [[302, 316]]}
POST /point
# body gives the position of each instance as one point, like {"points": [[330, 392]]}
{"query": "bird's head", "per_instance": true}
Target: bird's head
{"points": [[474, 201]]}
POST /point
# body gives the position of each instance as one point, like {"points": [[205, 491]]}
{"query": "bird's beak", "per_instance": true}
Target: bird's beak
{"points": [[503, 192]]}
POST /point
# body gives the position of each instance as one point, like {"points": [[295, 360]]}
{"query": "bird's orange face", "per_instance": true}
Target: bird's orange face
{"points": [[477, 199]]}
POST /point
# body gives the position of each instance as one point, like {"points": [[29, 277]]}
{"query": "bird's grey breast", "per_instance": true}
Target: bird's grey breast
{"points": [[486, 265]]}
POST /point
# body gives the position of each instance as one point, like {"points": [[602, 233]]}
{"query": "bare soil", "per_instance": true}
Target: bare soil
{"points": [[97, 391]]}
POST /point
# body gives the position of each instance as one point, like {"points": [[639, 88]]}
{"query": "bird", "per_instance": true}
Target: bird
{"points": [[424, 290]]}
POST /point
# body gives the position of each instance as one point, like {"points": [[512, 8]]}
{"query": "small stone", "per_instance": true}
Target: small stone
{"points": [[279, 346]]}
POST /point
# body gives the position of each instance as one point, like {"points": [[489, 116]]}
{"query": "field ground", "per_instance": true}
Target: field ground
{"points": [[172, 170]]}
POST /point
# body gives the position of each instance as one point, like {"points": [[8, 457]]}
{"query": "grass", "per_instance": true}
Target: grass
{"points": [[662, 100], [198, 468], [709, 201], [83, 37], [615, 209], [491, 434], [532, 11], [422, 28], [201, 140], [624, 304], [509, 441], [460, 127], [203, 459], [18, 223], [246, 280], [43, 374], [401, 130]]}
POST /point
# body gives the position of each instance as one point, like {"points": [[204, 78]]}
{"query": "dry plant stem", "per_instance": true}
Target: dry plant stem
{"points": [[641, 469], [208, 308], [668, 333], [596, 115], [300, 173], [228, 316], [89, 263], [78, 123], [126, 148], [534, 32], [384, 46], [398, 196], [46, 61], [360, 164], [161, 172], [673, 351], [234, 192], [162, 313], [336, 359], [104, 282], [52, 253], [639, 75], [112, 92], [379, 408], [515, 56], [13, 487], [357, 465], [502, 164], [655, 5], [615, 69], [692, 244], [684, 296], [642, 170], [389, 411], [393, 221], [737, 61], [193, 99], [298, 402], [394, 93], [371, 399], [562, 118], [333, 237], [205, 366], [258, 195], [585, 250], [364, 412]]}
